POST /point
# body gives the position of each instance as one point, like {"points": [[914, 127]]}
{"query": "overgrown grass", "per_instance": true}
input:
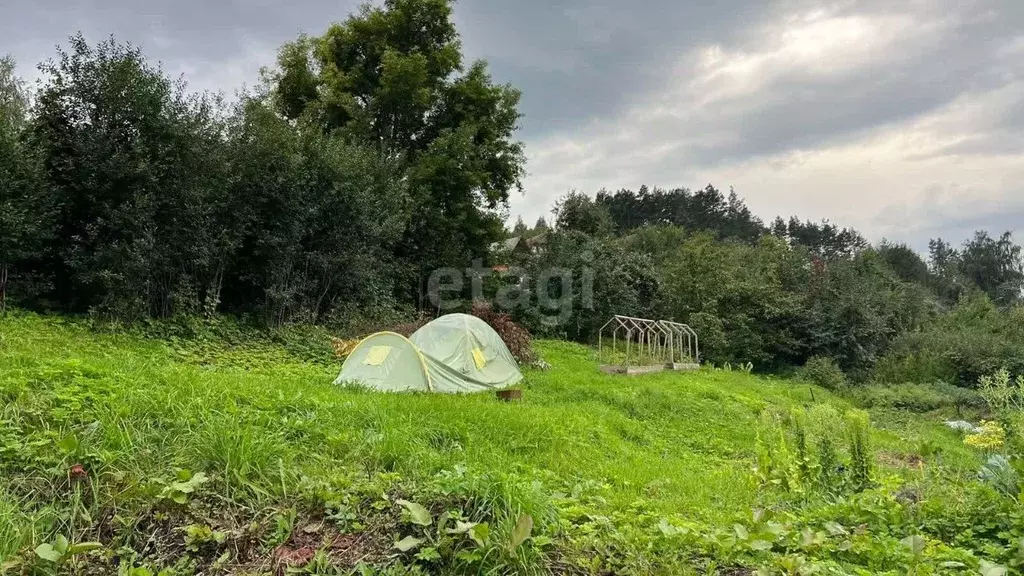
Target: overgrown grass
{"points": [[280, 446]]}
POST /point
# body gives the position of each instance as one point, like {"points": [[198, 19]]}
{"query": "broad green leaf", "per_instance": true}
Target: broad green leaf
{"points": [[191, 484], [68, 444], [521, 532], [480, 533], [428, 554], [408, 543], [46, 552], [741, 531], [775, 528], [915, 543], [992, 569], [760, 545], [835, 528], [60, 544], [469, 556], [666, 528], [417, 514]]}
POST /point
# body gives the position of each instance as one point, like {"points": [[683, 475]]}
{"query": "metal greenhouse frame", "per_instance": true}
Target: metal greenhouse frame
{"points": [[684, 344], [649, 345]]}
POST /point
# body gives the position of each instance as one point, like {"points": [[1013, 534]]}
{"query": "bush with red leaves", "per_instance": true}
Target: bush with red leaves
{"points": [[517, 338]]}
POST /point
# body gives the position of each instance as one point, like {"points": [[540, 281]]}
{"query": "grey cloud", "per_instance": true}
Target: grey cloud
{"points": [[803, 110], [574, 60], [216, 44], [972, 51], [579, 60], [613, 91]]}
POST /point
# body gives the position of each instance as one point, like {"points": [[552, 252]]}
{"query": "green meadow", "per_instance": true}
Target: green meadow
{"points": [[133, 454]]}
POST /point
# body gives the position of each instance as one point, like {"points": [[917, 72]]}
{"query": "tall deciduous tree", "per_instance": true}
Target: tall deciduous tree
{"points": [[994, 265], [944, 266], [393, 77], [906, 263], [577, 212]]}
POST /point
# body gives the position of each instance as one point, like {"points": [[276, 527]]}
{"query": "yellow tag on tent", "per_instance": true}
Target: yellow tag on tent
{"points": [[376, 355], [478, 358]]}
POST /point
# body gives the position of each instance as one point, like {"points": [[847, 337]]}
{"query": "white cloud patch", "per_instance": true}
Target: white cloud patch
{"points": [[905, 125], [814, 45], [890, 185]]}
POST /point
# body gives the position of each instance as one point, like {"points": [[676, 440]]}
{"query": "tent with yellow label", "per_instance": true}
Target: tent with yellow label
{"points": [[454, 353]]}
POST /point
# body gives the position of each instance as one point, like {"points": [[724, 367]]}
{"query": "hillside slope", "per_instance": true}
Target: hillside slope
{"points": [[253, 462]]}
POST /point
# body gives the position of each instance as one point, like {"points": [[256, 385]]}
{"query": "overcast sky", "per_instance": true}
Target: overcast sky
{"points": [[902, 119]]}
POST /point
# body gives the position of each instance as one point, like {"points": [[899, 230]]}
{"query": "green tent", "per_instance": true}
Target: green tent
{"points": [[454, 353]]}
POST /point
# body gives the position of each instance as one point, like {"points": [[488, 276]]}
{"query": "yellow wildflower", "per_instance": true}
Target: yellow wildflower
{"points": [[990, 437]]}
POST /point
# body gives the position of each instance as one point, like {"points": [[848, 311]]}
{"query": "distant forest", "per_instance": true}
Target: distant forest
{"points": [[374, 154]]}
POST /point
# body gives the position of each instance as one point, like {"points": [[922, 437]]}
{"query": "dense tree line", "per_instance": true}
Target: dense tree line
{"points": [[373, 155], [705, 209], [780, 294]]}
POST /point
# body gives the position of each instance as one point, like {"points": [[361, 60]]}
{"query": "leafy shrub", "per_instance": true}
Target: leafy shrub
{"points": [[974, 339], [802, 452], [517, 338], [230, 341], [776, 464], [1002, 392], [917, 397], [357, 321], [824, 372]]}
